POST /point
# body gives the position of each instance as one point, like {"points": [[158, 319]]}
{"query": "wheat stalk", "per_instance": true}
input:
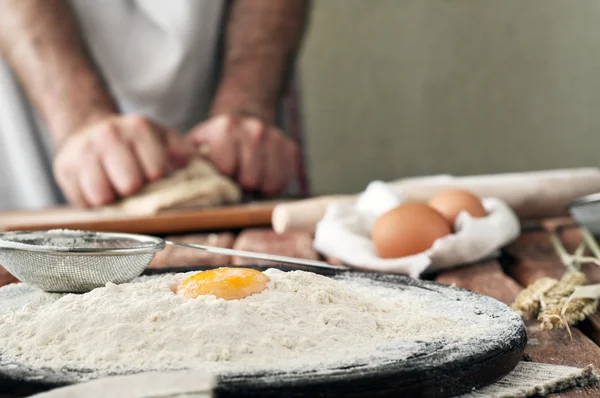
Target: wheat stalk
{"points": [[527, 303], [578, 309], [554, 300]]}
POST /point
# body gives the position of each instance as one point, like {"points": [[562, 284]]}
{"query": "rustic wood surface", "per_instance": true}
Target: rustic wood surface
{"points": [[265, 240], [174, 256], [528, 258]]}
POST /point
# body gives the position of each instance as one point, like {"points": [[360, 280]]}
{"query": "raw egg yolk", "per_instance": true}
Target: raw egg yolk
{"points": [[225, 283]]}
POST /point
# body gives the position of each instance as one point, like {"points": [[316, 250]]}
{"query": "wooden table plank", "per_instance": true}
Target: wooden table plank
{"points": [[265, 240], [556, 347], [486, 278], [547, 347], [533, 257], [184, 257], [571, 238]]}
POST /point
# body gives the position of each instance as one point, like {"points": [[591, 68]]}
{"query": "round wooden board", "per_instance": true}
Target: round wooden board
{"points": [[436, 370]]}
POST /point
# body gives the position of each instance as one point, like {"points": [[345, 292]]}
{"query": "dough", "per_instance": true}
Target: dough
{"points": [[197, 185]]}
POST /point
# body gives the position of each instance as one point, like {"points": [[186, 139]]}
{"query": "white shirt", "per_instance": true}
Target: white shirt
{"points": [[158, 59]]}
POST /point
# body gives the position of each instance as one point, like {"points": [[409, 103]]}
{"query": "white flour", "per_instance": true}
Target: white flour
{"points": [[302, 321], [52, 240]]}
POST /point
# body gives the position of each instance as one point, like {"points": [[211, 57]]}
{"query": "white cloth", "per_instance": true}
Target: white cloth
{"points": [[344, 233], [531, 379], [173, 384], [157, 57]]}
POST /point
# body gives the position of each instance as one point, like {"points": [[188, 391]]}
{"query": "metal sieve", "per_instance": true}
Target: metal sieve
{"points": [[79, 261]]}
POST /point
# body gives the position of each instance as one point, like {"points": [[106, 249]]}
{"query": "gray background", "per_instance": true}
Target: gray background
{"points": [[395, 88]]}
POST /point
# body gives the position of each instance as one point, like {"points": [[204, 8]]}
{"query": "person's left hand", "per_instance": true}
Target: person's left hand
{"points": [[260, 157]]}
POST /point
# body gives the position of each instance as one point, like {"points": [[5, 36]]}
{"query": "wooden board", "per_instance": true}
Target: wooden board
{"points": [[171, 221], [532, 257], [571, 237], [437, 369]]}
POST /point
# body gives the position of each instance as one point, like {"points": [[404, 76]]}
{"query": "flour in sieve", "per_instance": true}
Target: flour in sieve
{"points": [[55, 240], [303, 321]]}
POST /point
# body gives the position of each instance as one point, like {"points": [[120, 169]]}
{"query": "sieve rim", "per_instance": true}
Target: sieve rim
{"points": [[147, 244]]}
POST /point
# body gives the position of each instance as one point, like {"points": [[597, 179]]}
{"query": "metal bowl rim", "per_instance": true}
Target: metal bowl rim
{"points": [[584, 200], [148, 244]]}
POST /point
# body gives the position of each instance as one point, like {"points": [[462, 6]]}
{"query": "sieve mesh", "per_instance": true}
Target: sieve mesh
{"points": [[76, 261]]}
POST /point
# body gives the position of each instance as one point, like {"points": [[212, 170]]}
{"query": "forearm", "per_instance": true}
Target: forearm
{"points": [[40, 41], [262, 38]]}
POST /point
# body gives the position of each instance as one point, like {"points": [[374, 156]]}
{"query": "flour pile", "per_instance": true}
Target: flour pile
{"points": [[302, 321]]}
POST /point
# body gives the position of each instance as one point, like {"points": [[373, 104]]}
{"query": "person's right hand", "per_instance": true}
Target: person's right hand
{"points": [[115, 158]]}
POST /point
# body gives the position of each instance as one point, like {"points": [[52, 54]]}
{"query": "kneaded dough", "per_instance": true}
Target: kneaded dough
{"points": [[197, 185]]}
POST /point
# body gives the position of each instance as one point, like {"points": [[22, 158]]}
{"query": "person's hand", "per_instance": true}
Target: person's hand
{"points": [[115, 158], [260, 157]]}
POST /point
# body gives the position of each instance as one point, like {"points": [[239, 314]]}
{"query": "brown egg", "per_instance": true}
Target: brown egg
{"points": [[451, 203], [408, 229]]}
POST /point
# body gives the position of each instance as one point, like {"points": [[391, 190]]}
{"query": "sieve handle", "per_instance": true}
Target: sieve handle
{"points": [[259, 256]]}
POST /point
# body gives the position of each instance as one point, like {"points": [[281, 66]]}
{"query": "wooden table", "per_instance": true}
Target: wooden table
{"points": [[530, 257]]}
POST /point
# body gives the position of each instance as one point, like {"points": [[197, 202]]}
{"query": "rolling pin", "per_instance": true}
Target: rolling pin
{"points": [[537, 194]]}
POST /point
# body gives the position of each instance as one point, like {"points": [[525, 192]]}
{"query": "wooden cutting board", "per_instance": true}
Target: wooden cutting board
{"points": [[439, 368], [170, 221]]}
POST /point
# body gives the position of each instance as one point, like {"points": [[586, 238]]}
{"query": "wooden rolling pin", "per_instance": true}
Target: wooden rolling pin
{"points": [[537, 194]]}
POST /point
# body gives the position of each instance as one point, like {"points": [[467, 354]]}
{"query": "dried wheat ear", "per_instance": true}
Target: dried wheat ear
{"points": [[527, 303], [548, 298]]}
